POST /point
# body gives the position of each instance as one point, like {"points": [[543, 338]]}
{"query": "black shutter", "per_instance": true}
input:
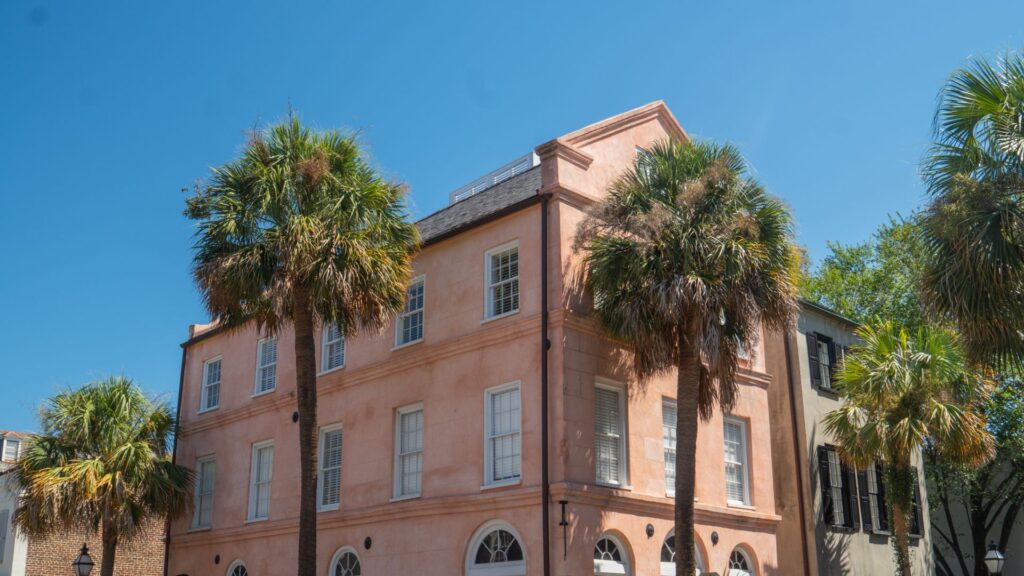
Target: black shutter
{"points": [[915, 526], [865, 499], [833, 363], [850, 496], [827, 513], [812, 358], [883, 506]]}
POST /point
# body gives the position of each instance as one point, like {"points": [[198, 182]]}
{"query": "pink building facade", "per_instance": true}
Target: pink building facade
{"points": [[431, 441]]}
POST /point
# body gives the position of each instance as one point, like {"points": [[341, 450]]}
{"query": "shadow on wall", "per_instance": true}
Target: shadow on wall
{"points": [[837, 554]]}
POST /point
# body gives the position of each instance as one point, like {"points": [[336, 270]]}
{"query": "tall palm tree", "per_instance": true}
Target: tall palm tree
{"points": [[302, 230], [687, 258], [974, 225], [101, 463], [901, 394]]}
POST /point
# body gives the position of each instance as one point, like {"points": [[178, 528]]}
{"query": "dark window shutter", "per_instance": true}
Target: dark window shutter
{"points": [[865, 500], [915, 526], [883, 507], [827, 514], [833, 363], [850, 496], [812, 358]]}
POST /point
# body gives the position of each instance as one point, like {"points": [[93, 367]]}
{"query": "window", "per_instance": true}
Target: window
{"points": [[739, 564], [503, 455], [5, 517], [668, 557], [333, 345], [11, 449], [266, 366], [668, 442], [345, 563], [610, 557], [202, 517], [838, 490], [609, 435], [409, 326], [915, 508], [408, 451], [211, 385], [496, 551], [737, 489], [237, 569], [874, 514], [503, 281], [329, 476], [262, 473], [824, 357]]}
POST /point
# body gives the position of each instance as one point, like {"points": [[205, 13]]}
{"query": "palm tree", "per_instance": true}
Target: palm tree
{"points": [[101, 463], [974, 226], [901, 394], [687, 257], [302, 230]]}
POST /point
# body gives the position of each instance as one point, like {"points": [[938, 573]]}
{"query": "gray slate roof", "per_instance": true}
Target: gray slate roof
{"points": [[519, 188]]}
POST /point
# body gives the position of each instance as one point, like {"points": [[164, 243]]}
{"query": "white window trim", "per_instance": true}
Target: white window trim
{"points": [[503, 569], [745, 455], [250, 514], [323, 353], [670, 490], [235, 564], [488, 451], [610, 566], [195, 525], [320, 469], [396, 491], [337, 556], [256, 382], [487, 283], [203, 389], [398, 344], [623, 437], [3, 449]]}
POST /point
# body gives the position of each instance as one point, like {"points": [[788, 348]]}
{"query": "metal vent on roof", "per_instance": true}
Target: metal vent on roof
{"points": [[517, 166]]}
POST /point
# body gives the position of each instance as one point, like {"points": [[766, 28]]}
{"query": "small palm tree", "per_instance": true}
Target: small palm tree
{"points": [[101, 463], [901, 394], [687, 258], [302, 230], [974, 225]]}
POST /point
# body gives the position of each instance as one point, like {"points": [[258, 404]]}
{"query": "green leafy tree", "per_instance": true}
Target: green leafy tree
{"points": [[974, 225], [900, 395], [102, 463], [302, 230], [687, 257]]}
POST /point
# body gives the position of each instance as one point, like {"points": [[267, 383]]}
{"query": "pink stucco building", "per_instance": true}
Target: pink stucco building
{"points": [[431, 446]]}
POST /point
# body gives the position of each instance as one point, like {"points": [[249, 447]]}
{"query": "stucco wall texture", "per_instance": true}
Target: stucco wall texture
{"points": [[461, 356]]}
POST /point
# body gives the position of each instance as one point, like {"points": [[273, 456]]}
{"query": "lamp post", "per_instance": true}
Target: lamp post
{"points": [[994, 559], [83, 564]]}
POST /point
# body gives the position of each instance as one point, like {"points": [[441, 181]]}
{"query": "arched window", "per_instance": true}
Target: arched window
{"points": [[610, 557], [496, 550], [668, 557], [237, 568], [740, 564], [345, 563]]}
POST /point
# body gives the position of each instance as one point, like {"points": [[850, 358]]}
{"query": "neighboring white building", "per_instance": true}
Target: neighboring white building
{"points": [[13, 546]]}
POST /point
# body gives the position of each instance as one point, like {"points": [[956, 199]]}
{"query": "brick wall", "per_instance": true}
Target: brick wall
{"points": [[53, 556]]}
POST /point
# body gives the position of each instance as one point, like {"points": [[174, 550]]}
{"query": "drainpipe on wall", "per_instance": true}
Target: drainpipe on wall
{"points": [[174, 455], [797, 450], [545, 345]]}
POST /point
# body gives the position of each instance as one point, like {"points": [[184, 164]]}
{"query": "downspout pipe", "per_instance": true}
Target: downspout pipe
{"points": [[797, 449], [174, 454], [545, 345]]}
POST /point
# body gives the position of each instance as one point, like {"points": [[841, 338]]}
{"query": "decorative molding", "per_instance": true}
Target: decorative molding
{"points": [[558, 148], [625, 121]]}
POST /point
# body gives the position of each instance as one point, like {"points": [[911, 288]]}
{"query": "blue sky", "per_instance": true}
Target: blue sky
{"points": [[109, 109]]}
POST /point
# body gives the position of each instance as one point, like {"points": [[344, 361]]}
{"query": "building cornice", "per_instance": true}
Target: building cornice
{"points": [[558, 148]]}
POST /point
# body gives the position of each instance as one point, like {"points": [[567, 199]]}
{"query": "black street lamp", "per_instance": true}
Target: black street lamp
{"points": [[83, 564], [994, 559]]}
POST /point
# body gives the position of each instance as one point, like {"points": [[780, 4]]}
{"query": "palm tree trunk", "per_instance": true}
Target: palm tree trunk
{"points": [[109, 538], [900, 480], [687, 416], [305, 384]]}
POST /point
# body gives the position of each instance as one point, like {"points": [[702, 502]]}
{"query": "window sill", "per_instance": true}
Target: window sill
{"points": [[257, 520], [739, 505], [627, 487], [503, 484], [195, 529], [328, 371], [404, 498], [406, 345], [333, 508], [205, 410], [500, 316], [265, 392]]}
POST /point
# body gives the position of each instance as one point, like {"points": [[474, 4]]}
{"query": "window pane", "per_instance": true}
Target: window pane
{"points": [[333, 348], [410, 460], [505, 449], [735, 462], [607, 435], [503, 278], [330, 468], [268, 365], [668, 433]]}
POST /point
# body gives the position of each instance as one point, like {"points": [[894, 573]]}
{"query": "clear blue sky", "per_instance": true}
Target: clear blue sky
{"points": [[109, 109]]}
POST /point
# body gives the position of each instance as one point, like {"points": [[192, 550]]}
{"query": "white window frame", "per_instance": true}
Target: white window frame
{"points": [[514, 568], [320, 506], [489, 284], [17, 450], [744, 455], [620, 390], [337, 557], [670, 487], [400, 319], [199, 495], [398, 494], [260, 366], [489, 481], [204, 393], [234, 566], [325, 346], [611, 567], [251, 514]]}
